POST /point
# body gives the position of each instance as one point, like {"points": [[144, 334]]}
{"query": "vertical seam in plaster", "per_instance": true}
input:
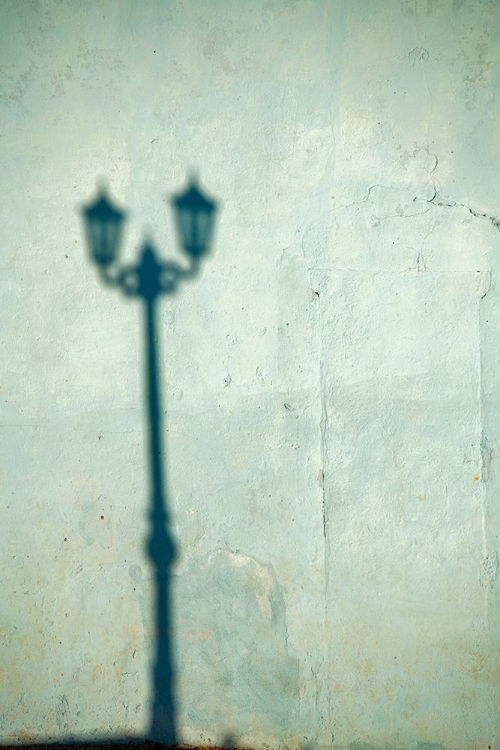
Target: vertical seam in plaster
{"points": [[326, 720], [490, 600], [324, 456], [482, 441], [334, 19], [426, 80]]}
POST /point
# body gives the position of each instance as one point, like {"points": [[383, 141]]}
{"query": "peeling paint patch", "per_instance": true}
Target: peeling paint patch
{"points": [[242, 628], [62, 712], [488, 571]]}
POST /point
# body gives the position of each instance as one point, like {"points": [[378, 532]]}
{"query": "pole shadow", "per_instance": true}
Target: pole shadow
{"points": [[148, 280]]}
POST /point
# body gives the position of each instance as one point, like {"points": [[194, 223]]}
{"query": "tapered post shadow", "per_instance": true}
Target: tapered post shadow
{"points": [[148, 280], [161, 547]]}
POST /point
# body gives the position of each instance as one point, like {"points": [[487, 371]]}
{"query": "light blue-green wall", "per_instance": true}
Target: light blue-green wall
{"points": [[331, 379]]}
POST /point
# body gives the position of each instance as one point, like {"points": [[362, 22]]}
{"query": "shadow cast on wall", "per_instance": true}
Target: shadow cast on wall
{"points": [[148, 280]]}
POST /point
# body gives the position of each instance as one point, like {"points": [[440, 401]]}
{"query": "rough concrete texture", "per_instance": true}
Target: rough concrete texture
{"points": [[331, 379]]}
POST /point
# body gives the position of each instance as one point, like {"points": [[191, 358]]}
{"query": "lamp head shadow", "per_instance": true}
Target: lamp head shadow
{"points": [[103, 227], [194, 214]]}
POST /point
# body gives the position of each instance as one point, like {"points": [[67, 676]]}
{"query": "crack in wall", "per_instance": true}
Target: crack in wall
{"points": [[494, 220]]}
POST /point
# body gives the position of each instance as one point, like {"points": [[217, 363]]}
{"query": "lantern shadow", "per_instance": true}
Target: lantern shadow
{"points": [[149, 279]]}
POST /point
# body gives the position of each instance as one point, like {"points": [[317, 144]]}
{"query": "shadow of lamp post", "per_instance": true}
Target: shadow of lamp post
{"points": [[148, 280]]}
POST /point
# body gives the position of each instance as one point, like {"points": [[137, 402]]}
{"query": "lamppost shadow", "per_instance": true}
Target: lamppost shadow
{"points": [[148, 280]]}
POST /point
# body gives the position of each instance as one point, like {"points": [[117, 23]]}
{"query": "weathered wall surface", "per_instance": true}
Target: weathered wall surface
{"points": [[331, 380]]}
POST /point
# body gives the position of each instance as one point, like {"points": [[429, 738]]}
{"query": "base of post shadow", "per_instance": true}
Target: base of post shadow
{"points": [[114, 744]]}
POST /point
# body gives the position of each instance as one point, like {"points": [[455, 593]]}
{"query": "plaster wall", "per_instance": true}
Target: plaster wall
{"points": [[331, 380]]}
